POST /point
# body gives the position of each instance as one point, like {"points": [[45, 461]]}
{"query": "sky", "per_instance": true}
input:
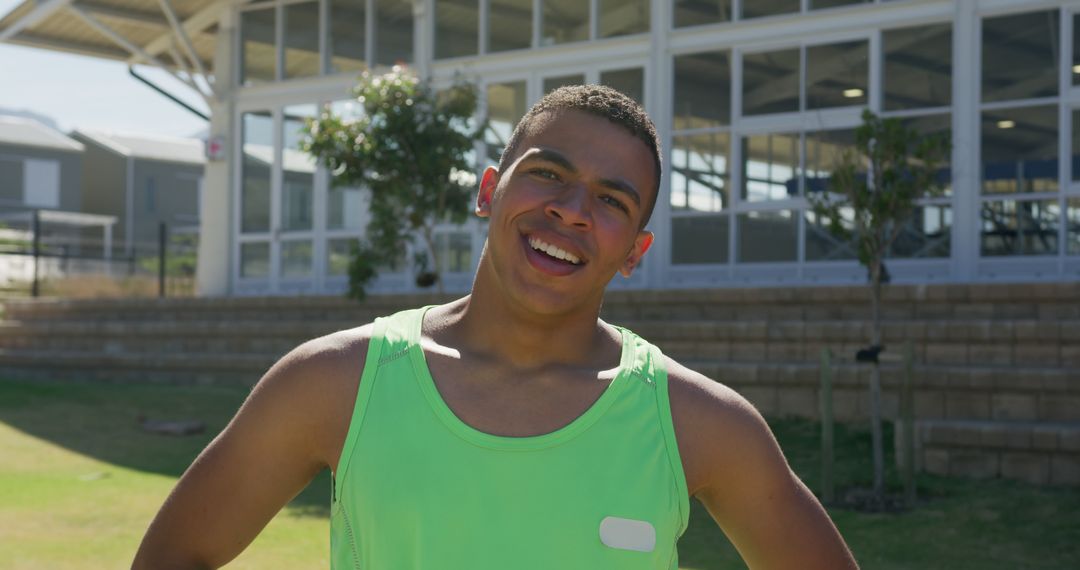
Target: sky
{"points": [[91, 93]]}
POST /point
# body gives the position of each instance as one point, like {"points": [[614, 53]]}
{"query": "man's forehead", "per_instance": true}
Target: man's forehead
{"points": [[540, 125]]}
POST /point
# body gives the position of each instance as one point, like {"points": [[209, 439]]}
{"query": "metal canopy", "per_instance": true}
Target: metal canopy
{"points": [[178, 36]]}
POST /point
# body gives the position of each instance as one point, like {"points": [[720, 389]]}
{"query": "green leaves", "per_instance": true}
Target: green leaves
{"points": [[890, 168], [408, 149]]}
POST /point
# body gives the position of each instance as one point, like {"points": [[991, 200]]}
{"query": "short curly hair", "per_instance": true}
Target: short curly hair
{"points": [[603, 102]]}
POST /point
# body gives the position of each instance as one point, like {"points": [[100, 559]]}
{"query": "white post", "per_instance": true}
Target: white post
{"points": [[966, 164], [107, 229], [215, 245]]}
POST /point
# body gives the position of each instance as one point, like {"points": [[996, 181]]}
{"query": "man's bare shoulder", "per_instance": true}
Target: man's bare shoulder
{"points": [[713, 424], [316, 384], [703, 400]]}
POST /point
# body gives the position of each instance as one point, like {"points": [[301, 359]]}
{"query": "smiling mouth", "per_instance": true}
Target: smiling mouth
{"points": [[553, 251]]}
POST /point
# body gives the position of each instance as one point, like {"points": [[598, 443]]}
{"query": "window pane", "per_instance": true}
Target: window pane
{"points": [[1072, 226], [1076, 50], [41, 180], [298, 170], [393, 32], [1020, 150], [771, 82], [623, 17], [564, 21], [1010, 227], [506, 105], [456, 28], [302, 40], [296, 259], [553, 83], [255, 172], [455, 251], [818, 4], [702, 90], [1019, 56], [255, 259], [758, 8], [824, 151], [821, 244], [928, 234], [346, 208], [697, 12], [347, 29], [338, 255], [257, 38], [509, 25], [630, 82], [1075, 159], [837, 75], [699, 172], [938, 126], [699, 239], [918, 67], [767, 236], [770, 165], [11, 180]]}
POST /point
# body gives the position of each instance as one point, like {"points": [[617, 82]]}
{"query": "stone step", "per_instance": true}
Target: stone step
{"points": [[177, 368], [196, 309], [1017, 343], [1034, 452], [1044, 302], [958, 392], [1056, 346]]}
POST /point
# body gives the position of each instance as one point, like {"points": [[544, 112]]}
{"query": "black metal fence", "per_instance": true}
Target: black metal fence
{"points": [[43, 253]]}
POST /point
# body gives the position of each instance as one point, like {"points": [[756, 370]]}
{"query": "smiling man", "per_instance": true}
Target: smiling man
{"points": [[511, 428]]}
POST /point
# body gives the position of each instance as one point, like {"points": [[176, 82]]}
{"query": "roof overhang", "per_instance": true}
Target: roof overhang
{"points": [[176, 35]]}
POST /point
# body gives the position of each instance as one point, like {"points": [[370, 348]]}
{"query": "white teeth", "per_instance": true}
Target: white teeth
{"points": [[553, 251]]}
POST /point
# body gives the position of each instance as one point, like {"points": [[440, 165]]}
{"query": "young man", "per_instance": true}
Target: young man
{"points": [[511, 428]]}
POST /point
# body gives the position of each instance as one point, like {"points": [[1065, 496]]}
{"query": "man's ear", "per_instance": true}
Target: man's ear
{"points": [[642, 244], [488, 181]]}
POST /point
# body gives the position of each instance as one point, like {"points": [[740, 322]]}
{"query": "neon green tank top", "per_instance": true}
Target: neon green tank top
{"points": [[417, 488]]}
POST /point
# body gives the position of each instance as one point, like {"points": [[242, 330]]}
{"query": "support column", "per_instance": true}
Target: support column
{"points": [[965, 132], [215, 209]]}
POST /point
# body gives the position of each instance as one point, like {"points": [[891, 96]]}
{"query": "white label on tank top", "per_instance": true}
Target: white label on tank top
{"points": [[627, 534]]}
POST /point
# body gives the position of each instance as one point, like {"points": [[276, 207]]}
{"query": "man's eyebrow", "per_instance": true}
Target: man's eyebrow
{"points": [[557, 158], [552, 156]]}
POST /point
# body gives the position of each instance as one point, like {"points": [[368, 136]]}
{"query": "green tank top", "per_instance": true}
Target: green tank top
{"points": [[417, 488]]}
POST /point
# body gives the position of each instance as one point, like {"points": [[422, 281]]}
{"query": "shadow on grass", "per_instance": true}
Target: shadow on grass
{"points": [[100, 421], [958, 524]]}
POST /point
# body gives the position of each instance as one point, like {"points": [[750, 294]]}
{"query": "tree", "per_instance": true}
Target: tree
{"points": [[411, 149], [870, 199]]}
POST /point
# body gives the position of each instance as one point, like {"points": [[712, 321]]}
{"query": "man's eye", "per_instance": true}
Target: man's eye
{"points": [[545, 173], [614, 202]]}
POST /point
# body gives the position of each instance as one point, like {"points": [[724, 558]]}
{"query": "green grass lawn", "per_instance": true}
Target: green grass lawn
{"points": [[79, 482]]}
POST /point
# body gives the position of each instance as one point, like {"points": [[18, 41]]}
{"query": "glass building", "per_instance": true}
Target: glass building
{"points": [[754, 101]]}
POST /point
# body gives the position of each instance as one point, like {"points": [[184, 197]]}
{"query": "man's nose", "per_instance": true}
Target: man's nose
{"points": [[571, 206]]}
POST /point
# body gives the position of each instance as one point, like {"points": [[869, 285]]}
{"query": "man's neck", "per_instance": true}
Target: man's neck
{"points": [[487, 323]]}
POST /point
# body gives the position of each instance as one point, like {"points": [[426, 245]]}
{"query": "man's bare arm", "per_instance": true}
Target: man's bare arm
{"points": [[741, 476], [289, 429]]}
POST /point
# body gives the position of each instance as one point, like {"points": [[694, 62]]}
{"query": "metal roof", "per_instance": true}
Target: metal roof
{"points": [[133, 31], [151, 147], [28, 132]]}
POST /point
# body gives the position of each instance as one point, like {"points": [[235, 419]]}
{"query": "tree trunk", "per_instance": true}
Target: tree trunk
{"points": [[435, 263], [875, 388]]}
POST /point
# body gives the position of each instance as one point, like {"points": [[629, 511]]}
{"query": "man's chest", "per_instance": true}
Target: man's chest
{"points": [[501, 401]]}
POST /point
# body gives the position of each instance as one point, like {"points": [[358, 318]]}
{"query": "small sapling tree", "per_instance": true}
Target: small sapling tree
{"points": [[870, 198], [411, 148]]}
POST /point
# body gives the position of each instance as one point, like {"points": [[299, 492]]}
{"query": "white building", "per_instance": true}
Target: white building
{"points": [[753, 99]]}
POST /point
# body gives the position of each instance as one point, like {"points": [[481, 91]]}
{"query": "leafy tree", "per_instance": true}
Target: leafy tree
{"points": [[871, 198], [411, 148]]}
